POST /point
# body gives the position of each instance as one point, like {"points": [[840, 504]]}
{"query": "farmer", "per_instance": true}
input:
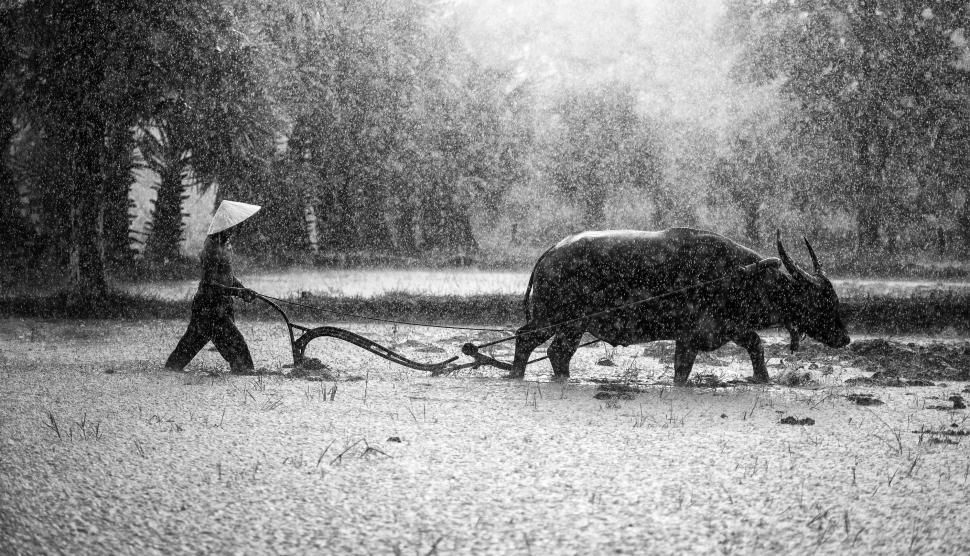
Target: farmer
{"points": [[212, 314]]}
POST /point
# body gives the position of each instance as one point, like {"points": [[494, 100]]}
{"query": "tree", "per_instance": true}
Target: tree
{"points": [[603, 145], [215, 116], [873, 75], [397, 134], [88, 73], [60, 76], [748, 176]]}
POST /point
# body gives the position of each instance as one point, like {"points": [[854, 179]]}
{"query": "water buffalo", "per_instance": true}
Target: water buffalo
{"points": [[591, 272]]}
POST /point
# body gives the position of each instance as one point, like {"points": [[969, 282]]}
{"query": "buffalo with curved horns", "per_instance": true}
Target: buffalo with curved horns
{"points": [[713, 292]]}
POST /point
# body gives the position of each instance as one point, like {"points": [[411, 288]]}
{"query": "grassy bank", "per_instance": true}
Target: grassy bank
{"points": [[930, 312]]}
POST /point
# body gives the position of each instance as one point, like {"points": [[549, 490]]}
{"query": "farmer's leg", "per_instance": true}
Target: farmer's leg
{"points": [[195, 338], [232, 346]]}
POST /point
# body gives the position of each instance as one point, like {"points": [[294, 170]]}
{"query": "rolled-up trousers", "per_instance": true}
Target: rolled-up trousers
{"points": [[212, 320]]}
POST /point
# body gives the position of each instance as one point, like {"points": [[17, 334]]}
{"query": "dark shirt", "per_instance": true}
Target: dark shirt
{"points": [[216, 271]]}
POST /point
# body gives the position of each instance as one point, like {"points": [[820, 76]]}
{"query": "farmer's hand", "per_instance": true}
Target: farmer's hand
{"points": [[248, 295]]}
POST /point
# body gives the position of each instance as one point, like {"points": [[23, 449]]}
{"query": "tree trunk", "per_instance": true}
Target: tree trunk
{"points": [[458, 228], [338, 232], [86, 261], [432, 231], [12, 224], [118, 206], [407, 242], [873, 158], [752, 227], [371, 227], [868, 229]]}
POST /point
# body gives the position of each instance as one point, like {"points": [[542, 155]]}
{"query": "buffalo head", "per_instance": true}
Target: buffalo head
{"points": [[815, 306]]}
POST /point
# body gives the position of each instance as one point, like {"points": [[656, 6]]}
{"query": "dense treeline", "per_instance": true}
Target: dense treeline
{"points": [[378, 126]]}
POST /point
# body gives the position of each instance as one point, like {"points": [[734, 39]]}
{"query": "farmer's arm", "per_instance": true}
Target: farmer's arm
{"points": [[217, 270], [242, 291], [239, 290]]}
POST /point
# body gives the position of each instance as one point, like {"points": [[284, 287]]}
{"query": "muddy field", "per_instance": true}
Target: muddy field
{"points": [[854, 451]]}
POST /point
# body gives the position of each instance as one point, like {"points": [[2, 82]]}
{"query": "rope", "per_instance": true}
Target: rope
{"points": [[748, 268], [605, 311]]}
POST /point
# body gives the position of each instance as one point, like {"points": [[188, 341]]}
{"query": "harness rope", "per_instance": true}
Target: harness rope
{"points": [[472, 350], [606, 311]]}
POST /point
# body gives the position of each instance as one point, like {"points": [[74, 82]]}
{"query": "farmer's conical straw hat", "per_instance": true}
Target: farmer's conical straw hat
{"points": [[229, 214]]}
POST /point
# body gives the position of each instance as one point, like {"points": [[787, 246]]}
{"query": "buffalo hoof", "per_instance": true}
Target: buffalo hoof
{"points": [[514, 376], [758, 379]]}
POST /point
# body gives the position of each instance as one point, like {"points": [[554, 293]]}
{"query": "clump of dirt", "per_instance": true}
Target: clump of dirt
{"points": [[954, 430], [942, 436], [898, 364], [606, 362], [864, 399], [616, 391], [312, 368], [792, 378], [708, 381], [888, 378], [807, 421], [956, 400]]}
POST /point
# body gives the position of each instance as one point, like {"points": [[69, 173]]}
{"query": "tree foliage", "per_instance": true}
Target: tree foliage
{"points": [[882, 78], [87, 73], [376, 126], [604, 145]]}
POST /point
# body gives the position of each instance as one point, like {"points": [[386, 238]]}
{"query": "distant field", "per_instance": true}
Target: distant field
{"points": [[374, 282]]}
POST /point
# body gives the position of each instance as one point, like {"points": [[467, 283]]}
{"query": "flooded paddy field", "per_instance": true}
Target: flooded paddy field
{"points": [[858, 450]]}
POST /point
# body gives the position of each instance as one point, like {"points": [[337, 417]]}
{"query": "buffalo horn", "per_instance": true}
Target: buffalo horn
{"points": [[796, 271], [818, 267]]}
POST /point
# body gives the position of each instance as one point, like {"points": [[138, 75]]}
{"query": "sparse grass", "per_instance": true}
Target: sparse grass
{"points": [[474, 460]]}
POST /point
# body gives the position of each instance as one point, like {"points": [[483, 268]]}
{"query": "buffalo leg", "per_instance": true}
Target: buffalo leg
{"points": [[526, 342], [683, 362], [755, 347], [562, 349]]}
